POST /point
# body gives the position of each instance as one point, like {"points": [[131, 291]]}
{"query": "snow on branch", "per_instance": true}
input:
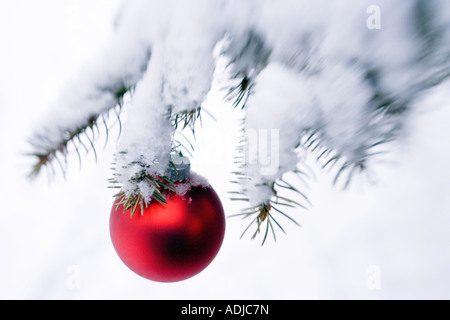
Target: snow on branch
{"points": [[317, 72]]}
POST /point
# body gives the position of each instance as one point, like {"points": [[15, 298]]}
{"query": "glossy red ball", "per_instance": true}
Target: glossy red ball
{"points": [[170, 242]]}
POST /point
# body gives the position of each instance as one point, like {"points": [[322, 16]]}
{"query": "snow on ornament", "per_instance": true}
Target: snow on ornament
{"points": [[175, 240]]}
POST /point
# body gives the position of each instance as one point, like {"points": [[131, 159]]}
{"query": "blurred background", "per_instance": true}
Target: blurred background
{"points": [[382, 240]]}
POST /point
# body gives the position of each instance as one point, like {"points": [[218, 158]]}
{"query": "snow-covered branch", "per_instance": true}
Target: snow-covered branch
{"points": [[314, 71]]}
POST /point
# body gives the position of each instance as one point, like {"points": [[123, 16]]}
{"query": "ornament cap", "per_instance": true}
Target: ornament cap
{"points": [[179, 169]]}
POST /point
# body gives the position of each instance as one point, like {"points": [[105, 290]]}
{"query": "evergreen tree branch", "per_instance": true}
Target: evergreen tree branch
{"points": [[48, 150]]}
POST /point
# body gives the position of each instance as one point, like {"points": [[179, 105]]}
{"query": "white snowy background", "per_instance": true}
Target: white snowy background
{"points": [[387, 240]]}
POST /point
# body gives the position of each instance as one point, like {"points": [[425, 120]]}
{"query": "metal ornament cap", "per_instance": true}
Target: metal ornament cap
{"points": [[180, 168]]}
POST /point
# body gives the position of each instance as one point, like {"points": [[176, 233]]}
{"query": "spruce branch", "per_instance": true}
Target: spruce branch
{"points": [[316, 142], [265, 213], [160, 185], [185, 119], [247, 55], [131, 202], [285, 195], [49, 150], [240, 93], [133, 196]]}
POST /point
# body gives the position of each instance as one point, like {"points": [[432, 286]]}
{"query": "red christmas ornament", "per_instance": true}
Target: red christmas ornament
{"points": [[170, 242]]}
